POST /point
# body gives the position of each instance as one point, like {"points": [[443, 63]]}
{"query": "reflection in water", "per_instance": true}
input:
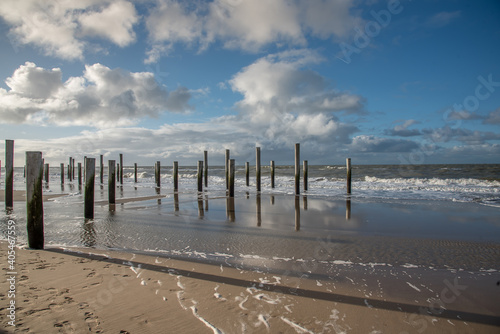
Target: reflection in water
{"points": [[230, 210], [88, 234], [201, 212], [297, 213], [157, 193], [272, 199], [304, 199], [176, 201], [112, 207], [259, 210], [348, 208]]}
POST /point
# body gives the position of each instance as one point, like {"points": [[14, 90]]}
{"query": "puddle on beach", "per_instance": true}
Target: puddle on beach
{"points": [[275, 231]]}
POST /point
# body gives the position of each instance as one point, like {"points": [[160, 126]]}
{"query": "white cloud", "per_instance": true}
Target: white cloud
{"points": [[101, 97], [59, 28], [442, 19], [247, 24]]}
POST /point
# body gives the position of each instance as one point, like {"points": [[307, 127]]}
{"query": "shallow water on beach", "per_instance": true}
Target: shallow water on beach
{"points": [[274, 229]]}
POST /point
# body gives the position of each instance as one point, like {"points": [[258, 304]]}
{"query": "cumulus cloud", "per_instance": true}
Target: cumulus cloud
{"points": [[493, 117], [59, 28], [370, 143], [101, 97], [471, 137], [247, 24]]}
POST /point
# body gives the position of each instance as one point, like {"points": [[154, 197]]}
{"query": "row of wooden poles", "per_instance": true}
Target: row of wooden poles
{"points": [[34, 177]]}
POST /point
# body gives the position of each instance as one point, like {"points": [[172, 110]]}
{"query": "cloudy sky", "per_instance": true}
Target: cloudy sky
{"points": [[383, 82]]}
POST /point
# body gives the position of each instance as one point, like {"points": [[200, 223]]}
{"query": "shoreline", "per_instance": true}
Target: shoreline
{"points": [[108, 291]]}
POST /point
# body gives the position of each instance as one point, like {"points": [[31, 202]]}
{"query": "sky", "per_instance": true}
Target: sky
{"points": [[381, 82]]}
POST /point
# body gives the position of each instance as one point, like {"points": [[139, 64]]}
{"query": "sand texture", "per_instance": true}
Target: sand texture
{"points": [[102, 291]]}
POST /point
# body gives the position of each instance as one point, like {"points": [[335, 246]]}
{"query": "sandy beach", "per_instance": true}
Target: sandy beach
{"points": [[102, 291]]}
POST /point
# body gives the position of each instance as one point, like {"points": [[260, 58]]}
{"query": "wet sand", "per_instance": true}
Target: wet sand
{"points": [[102, 291], [20, 196]]}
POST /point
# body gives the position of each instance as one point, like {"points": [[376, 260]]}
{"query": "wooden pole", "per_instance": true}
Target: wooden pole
{"points": [[176, 175], [47, 173], [73, 167], [9, 173], [80, 173], [89, 187], [272, 174], [348, 165], [297, 169], [306, 172], [247, 173], [200, 175], [135, 172], [70, 172], [34, 199], [226, 169], [111, 181], [84, 167], [121, 168], [62, 173], [205, 166], [118, 172], [101, 169], [158, 174], [257, 167], [231, 177]]}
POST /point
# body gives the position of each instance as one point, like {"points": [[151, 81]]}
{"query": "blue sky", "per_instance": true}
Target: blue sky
{"points": [[383, 82]]}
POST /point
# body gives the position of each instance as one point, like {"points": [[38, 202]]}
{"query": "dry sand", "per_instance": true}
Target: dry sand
{"points": [[102, 291]]}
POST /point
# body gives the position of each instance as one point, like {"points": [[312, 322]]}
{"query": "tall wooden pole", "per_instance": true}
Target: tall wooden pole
{"points": [[257, 167], [118, 172], [101, 169], [121, 168], [205, 166], [9, 173], [176, 175], [135, 172], [306, 173], [226, 168], [89, 188], [272, 173], [158, 174], [46, 173], [34, 199], [111, 181], [348, 165], [231, 177], [73, 167], [80, 173], [62, 173], [297, 169], [247, 173], [200, 175]]}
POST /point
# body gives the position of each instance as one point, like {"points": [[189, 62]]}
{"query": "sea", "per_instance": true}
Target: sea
{"points": [[432, 216]]}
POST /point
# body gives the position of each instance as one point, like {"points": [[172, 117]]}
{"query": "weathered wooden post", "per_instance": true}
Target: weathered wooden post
{"points": [[73, 167], [34, 199], [84, 167], [348, 165], [176, 175], [226, 168], [70, 172], [89, 187], [135, 172], [62, 173], [205, 166], [231, 177], [306, 173], [247, 173], [200, 175], [111, 181], [158, 174], [101, 169], [257, 167], [47, 173], [272, 173], [297, 169], [118, 172], [121, 168], [9, 173], [80, 173]]}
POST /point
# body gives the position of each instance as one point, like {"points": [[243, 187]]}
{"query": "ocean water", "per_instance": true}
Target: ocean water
{"points": [[439, 216]]}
